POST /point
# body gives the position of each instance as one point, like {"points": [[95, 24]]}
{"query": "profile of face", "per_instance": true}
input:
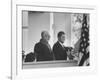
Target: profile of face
{"points": [[62, 38], [46, 36]]}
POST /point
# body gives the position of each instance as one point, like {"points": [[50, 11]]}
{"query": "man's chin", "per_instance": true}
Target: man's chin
{"points": [[62, 42]]}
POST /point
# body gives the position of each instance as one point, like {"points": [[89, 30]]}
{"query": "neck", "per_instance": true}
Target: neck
{"points": [[44, 41], [60, 42]]}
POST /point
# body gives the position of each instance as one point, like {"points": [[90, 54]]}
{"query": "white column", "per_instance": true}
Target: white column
{"points": [[51, 29], [25, 18], [25, 31]]}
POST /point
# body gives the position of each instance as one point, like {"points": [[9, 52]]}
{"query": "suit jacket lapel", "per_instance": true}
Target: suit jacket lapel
{"points": [[61, 46]]}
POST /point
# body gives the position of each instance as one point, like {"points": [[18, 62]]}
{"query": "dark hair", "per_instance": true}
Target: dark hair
{"points": [[60, 34]]}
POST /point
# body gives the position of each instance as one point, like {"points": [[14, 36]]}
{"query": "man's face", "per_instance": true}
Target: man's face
{"points": [[62, 38], [46, 36]]}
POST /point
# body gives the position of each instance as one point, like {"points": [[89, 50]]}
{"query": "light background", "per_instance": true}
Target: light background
{"points": [[5, 38], [36, 22]]}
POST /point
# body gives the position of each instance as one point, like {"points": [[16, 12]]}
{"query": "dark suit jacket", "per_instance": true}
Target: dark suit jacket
{"points": [[59, 52], [43, 52], [30, 57]]}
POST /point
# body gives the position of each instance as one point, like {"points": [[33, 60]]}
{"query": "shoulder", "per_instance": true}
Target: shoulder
{"points": [[37, 45], [56, 44]]}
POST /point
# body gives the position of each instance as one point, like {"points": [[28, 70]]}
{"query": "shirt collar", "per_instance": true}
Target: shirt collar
{"points": [[61, 44]]}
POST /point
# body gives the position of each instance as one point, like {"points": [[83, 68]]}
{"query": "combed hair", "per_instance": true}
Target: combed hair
{"points": [[60, 34]]}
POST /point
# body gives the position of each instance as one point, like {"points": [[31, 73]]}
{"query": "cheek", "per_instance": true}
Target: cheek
{"points": [[48, 37], [63, 39]]}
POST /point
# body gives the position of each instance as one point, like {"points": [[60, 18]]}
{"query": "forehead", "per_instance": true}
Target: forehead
{"points": [[46, 33], [63, 35]]}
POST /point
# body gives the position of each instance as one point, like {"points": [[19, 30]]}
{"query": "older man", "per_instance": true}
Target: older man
{"points": [[42, 49]]}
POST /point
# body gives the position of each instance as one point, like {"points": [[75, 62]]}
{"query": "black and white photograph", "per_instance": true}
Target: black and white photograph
{"points": [[51, 40], [55, 39]]}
